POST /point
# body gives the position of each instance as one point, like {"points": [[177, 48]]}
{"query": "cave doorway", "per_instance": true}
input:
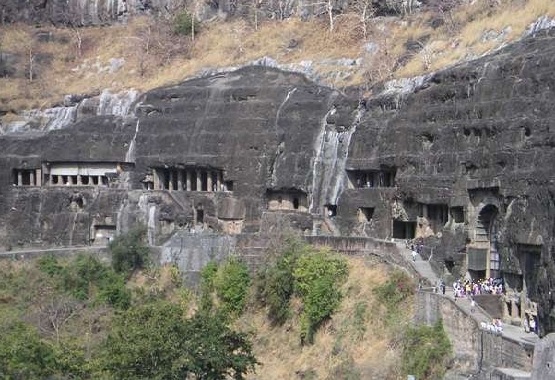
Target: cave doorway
{"points": [[404, 230]]}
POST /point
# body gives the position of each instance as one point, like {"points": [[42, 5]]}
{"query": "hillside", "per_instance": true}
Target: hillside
{"points": [[67, 307], [40, 63]]}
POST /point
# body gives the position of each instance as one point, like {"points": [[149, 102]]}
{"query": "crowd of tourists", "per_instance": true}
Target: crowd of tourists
{"points": [[473, 288]]}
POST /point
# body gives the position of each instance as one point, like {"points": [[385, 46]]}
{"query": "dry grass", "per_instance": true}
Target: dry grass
{"points": [[154, 57], [345, 343]]}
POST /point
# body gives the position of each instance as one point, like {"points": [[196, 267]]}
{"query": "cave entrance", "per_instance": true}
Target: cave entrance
{"points": [[330, 210], [200, 215], [404, 230], [486, 235]]}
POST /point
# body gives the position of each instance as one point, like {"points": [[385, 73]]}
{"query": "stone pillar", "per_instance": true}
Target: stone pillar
{"points": [[218, 181], [180, 179], [199, 180], [38, 177], [79, 180], [19, 178], [32, 178], [170, 180], [187, 180], [60, 180], [155, 179], [99, 180], [50, 180], [209, 180]]}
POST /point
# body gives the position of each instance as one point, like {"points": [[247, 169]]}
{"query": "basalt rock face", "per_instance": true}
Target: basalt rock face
{"points": [[462, 161], [76, 12], [473, 154]]}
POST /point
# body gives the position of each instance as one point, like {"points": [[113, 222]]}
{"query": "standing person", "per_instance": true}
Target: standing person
{"points": [[472, 305], [533, 324], [414, 253]]}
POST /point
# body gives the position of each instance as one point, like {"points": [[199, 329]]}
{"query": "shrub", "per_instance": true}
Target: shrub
{"points": [[395, 290], [207, 276], [231, 284], [129, 252], [183, 23], [425, 351], [23, 355], [317, 280], [277, 286], [86, 278], [49, 264], [155, 341]]}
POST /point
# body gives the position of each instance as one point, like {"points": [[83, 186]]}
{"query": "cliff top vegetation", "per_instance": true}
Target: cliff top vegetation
{"points": [[39, 64]]}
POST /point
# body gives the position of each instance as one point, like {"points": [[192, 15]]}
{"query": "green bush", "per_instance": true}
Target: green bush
{"points": [[183, 23], [277, 286], [23, 355], [207, 276], [86, 278], [129, 251], [231, 284], [395, 290], [318, 277], [426, 351], [49, 264], [155, 341]]}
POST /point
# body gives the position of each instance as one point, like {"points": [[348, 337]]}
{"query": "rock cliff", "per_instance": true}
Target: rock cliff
{"points": [[460, 161]]}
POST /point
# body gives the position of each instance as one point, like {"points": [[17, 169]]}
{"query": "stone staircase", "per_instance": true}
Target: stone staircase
{"points": [[422, 267], [478, 314]]}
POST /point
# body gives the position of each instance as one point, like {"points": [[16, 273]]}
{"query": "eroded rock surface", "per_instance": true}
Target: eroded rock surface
{"points": [[460, 162]]}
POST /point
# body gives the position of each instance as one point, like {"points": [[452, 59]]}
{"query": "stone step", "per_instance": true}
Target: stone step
{"points": [[499, 373]]}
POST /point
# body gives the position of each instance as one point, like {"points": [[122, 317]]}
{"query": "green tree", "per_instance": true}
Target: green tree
{"points": [[129, 251], [155, 341], [317, 280], [23, 355], [232, 283], [426, 350], [184, 24], [86, 278]]}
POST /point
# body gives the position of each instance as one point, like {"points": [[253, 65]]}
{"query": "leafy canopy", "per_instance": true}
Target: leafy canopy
{"points": [[129, 251], [155, 341]]}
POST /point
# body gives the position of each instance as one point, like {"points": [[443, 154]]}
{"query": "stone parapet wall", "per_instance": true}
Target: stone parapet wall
{"points": [[474, 350]]}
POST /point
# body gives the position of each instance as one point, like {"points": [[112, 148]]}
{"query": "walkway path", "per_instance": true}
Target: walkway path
{"points": [[424, 269], [25, 253]]}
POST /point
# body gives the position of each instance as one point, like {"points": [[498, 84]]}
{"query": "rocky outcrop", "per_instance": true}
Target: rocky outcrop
{"points": [[101, 12], [461, 160]]}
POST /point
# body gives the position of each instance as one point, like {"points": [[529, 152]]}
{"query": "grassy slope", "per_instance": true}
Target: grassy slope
{"points": [[153, 57], [357, 341]]}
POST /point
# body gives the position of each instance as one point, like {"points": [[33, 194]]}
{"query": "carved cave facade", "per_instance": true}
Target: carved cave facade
{"points": [[447, 167]]}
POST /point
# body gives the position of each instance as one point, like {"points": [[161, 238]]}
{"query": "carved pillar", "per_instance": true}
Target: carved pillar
{"points": [[60, 180], [188, 180], [179, 179], [209, 180], [218, 181], [155, 179], [199, 180], [100, 180], [32, 178], [38, 177], [79, 180], [19, 178], [170, 180]]}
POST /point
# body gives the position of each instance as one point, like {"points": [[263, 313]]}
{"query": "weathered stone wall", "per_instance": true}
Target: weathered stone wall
{"points": [[476, 137], [475, 350]]}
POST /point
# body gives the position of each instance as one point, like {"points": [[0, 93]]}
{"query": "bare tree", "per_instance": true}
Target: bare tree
{"points": [[55, 313], [365, 10]]}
